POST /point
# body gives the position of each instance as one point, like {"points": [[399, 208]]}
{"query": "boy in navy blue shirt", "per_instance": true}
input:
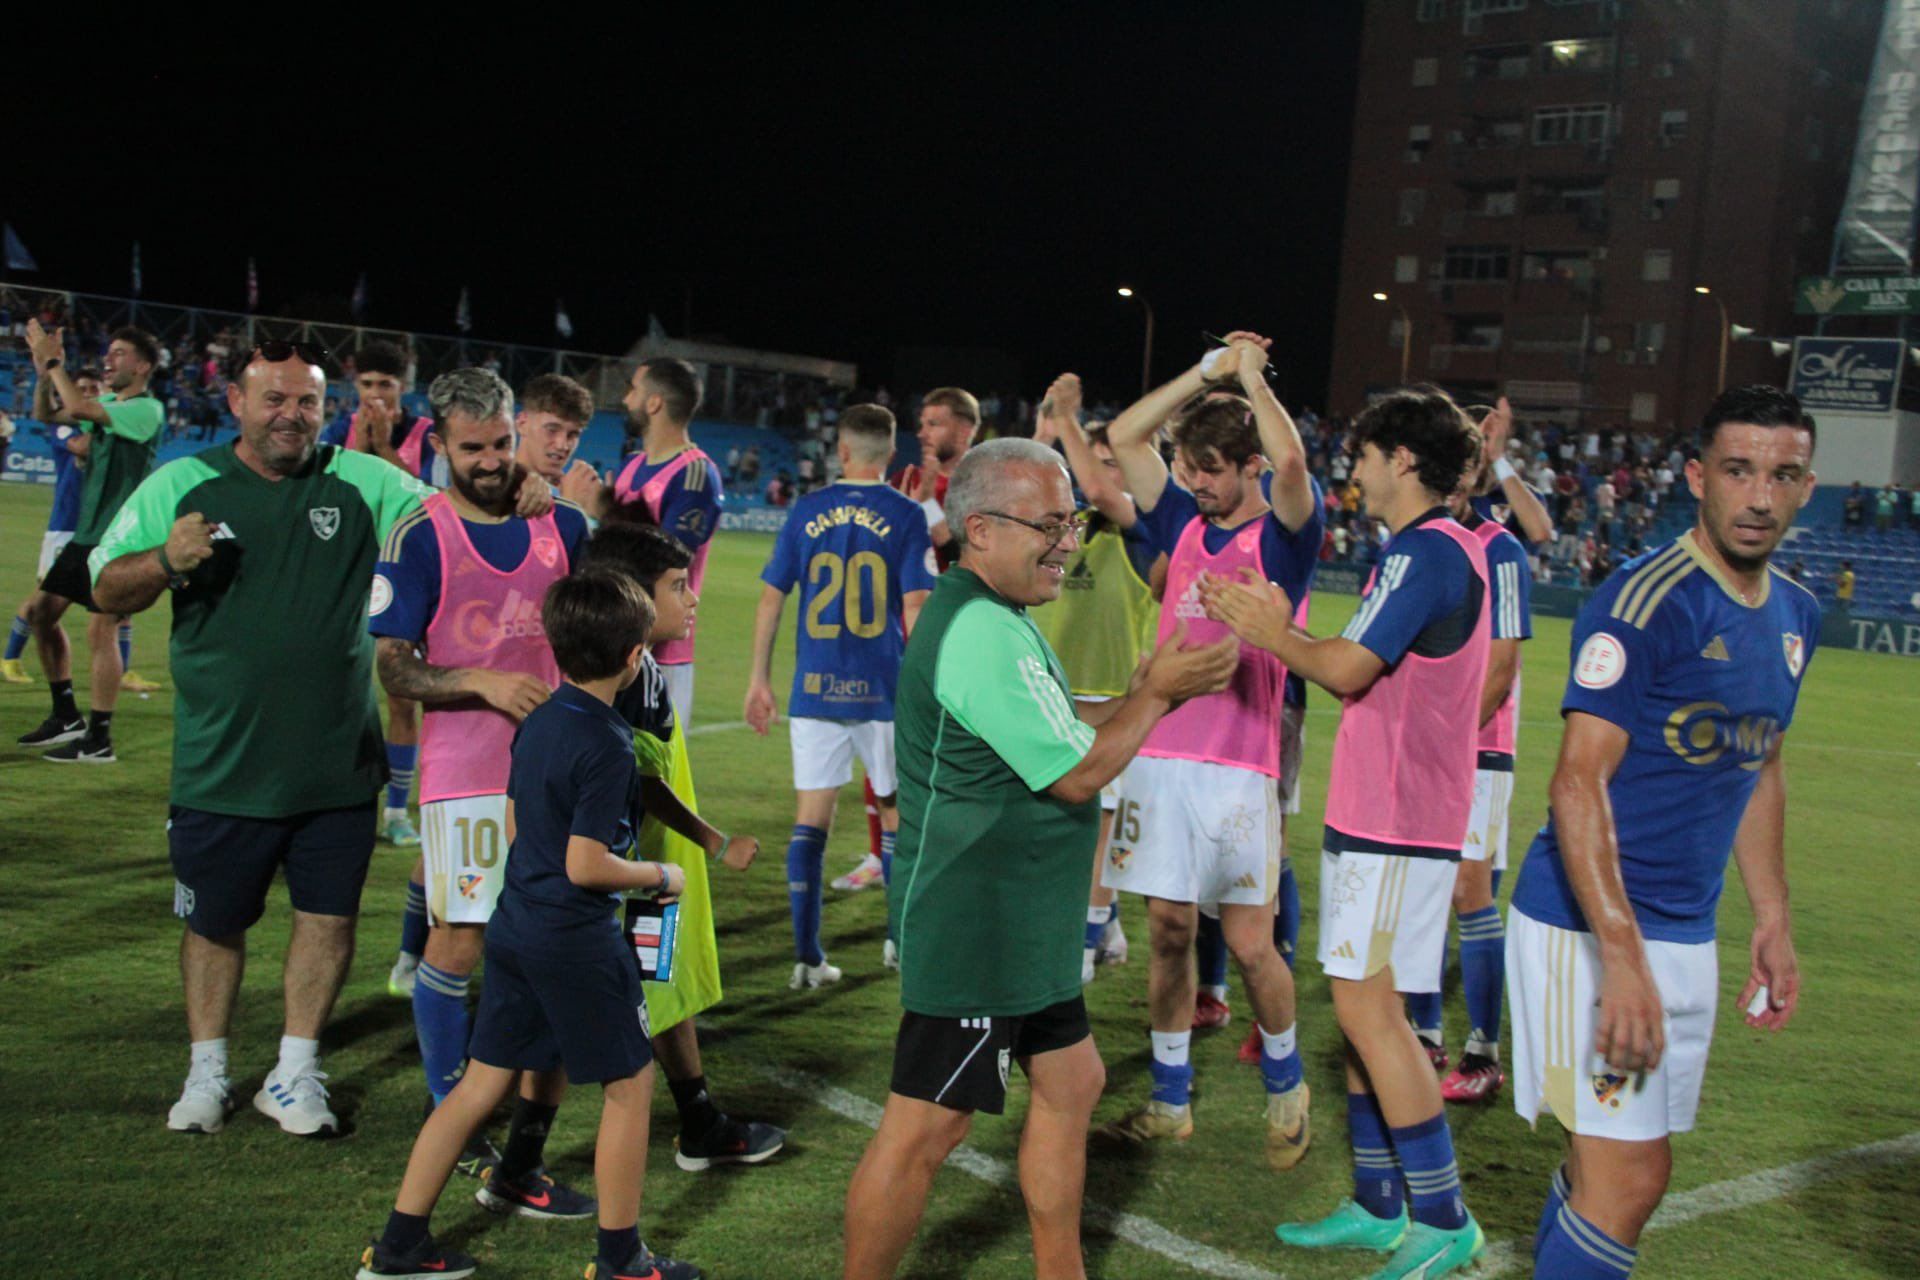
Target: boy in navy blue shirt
{"points": [[563, 987]]}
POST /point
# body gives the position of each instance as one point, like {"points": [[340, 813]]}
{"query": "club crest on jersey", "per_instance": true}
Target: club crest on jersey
{"points": [[1607, 1090], [469, 884], [546, 551], [1796, 651], [325, 522]]}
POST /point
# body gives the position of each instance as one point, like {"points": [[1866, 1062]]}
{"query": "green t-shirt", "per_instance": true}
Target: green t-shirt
{"points": [[991, 871], [120, 458], [272, 663]]}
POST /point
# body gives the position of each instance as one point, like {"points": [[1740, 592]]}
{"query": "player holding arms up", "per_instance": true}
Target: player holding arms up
{"points": [[1408, 669], [860, 554], [1199, 820], [563, 985], [1687, 664]]}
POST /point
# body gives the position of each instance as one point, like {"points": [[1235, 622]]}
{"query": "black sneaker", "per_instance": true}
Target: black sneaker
{"points": [[536, 1195], [643, 1265], [53, 731], [425, 1261], [728, 1141], [478, 1158], [83, 750]]}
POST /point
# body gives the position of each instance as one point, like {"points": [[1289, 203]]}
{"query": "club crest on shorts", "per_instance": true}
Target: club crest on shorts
{"points": [[1606, 1089], [1006, 1060], [325, 522], [1118, 856], [469, 883], [1796, 651]]}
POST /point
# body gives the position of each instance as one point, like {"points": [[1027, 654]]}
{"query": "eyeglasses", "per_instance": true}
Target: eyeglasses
{"points": [[1055, 534]]}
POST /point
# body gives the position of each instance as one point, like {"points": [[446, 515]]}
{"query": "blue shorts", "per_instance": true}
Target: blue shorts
{"points": [[223, 865], [587, 1015]]}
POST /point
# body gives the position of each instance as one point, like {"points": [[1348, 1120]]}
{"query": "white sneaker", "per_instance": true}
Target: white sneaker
{"points": [[203, 1106], [808, 976], [866, 874], [1113, 943], [298, 1103], [401, 977], [889, 954]]}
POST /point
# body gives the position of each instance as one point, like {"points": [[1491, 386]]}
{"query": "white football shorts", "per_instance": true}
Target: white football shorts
{"points": [[823, 752], [1487, 828], [1380, 909], [1194, 831], [1553, 990], [679, 681], [464, 844]]}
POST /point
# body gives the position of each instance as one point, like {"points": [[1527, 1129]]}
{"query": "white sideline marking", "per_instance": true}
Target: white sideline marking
{"points": [[1740, 1193], [1132, 1228]]}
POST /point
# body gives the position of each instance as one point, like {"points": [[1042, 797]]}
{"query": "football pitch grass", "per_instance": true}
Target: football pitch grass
{"points": [[95, 1051]]}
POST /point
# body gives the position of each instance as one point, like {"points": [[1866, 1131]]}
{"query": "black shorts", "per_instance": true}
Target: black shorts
{"points": [[961, 1063], [538, 1013], [223, 865], [67, 576]]}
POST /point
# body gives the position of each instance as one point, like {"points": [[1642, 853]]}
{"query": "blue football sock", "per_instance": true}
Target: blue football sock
{"points": [[1096, 925], [1558, 1193], [1171, 1069], [1575, 1249], [1286, 921], [400, 762], [1496, 886], [806, 862], [1376, 1171], [17, 636], [1433, 1179], [413, 921], [1424, 1012], [1279, 1059], [126, 645], [441, 1021], [1210, 948], [617, 1244], [1483, 972]]}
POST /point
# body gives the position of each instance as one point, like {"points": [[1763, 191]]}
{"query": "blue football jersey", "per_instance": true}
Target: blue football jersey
{"points": [[67, 481], [854, 549], [1495, 507], [1704, 684]]}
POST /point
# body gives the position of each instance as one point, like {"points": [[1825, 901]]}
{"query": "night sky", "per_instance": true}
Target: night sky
{"points": [[843, 190]]}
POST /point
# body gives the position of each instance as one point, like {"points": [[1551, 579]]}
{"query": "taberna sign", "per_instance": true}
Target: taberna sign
{"points": [[27, 466], [1857, 375]]}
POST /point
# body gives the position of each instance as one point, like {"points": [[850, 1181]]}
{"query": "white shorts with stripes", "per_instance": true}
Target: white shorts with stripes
{"points": [[1487, 828], [1380, 909], [464, 845], [1553, 990], [1195, 831]]}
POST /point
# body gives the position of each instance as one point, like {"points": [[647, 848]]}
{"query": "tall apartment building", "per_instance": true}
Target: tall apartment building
{"points": [[1538, 186]]}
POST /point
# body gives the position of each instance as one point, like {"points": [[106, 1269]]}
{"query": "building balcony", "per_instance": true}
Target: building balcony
{"points": [[1464, 359]]}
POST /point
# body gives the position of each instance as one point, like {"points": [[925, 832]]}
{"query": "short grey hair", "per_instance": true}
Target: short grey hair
{"points": [[986, 472], [481, 394]]}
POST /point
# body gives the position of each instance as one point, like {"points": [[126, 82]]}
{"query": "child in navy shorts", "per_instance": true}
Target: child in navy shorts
{"points": [[563, 984]]}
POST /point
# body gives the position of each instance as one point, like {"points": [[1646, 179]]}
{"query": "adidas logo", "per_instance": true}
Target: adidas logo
{"points": [[1246, 882], [1345, 951], [222, 530], [1717, 651]]}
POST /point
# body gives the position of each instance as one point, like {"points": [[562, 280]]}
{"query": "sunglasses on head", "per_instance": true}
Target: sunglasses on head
{"points": [[273, 351]]}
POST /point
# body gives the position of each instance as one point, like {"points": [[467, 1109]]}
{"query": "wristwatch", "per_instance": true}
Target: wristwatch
{"points": [[175, 579]]}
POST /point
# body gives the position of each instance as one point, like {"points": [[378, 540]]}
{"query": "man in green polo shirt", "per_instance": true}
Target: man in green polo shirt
{"points": [[123, 430], [999, 809], [268, 546]]}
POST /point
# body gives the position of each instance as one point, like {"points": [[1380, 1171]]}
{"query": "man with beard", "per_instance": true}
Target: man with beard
{"points": [[1687, 664], [123, 430], [673, 484], [456, 609], [267, 545]]}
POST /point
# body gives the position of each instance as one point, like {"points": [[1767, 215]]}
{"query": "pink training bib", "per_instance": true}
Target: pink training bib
{"points": [[1240, 725], [672, 652], [1403, 761], [486, 617]]}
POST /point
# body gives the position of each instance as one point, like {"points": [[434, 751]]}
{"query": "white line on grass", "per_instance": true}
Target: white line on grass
{"points": [[1741, 1193], [1132, 1228]]}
